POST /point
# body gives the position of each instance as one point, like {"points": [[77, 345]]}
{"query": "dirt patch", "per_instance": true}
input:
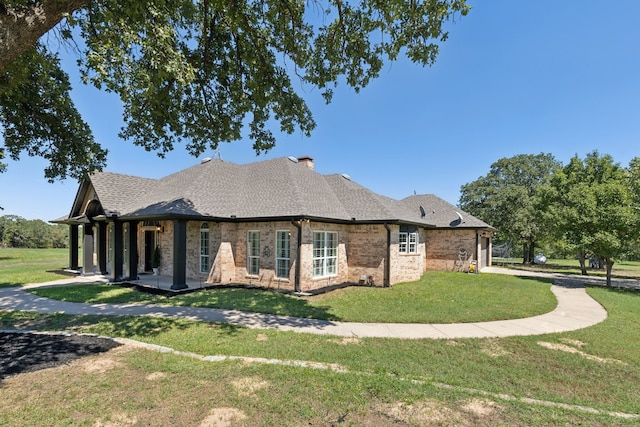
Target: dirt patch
{"points": [[248, 386], [262, 337], [475, 412], [117, 420], [575, 343], [494, 349], [29, 352], [345, 340], [224, 417], [569, 349], [156, 376]]}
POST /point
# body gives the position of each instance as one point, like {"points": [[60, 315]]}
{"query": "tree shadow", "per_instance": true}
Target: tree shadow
{"points": [[257, 300]]}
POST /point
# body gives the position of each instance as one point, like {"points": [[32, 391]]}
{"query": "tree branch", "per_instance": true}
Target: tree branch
{"points": [[22, 26]]}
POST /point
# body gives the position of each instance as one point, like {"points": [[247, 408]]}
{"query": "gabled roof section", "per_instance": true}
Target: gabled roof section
{"points": [[119, 193], [441, 213], [270, 189]]}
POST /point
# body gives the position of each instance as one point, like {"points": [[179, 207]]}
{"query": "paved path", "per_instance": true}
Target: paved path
{"points": [[575, 310]]}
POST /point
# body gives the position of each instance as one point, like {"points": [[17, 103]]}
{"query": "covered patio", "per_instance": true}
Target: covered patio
{"points": [[165, 283]]}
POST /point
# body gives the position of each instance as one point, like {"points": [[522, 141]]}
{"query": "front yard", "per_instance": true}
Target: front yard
{"points": [[586, 377]]}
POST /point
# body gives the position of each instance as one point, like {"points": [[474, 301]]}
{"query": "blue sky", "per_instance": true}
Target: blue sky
{"points": [[514, 77]]}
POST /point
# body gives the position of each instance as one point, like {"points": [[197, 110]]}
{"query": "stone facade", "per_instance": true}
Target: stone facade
{"points": [[450, 250], [361, 253]]}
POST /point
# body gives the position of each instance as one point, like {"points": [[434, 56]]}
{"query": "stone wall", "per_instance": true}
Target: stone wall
{"points": [[362, 252], [450, 250]]}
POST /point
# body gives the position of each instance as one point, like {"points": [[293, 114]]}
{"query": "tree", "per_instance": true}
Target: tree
{"points": [[594, 205], [196, 72], [508, 198]]}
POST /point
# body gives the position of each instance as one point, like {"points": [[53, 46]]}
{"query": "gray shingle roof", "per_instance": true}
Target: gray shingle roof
{"points": [[278, 188], [443, 214]]}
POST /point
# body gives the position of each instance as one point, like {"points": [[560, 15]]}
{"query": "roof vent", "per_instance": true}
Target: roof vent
{"points": [[345, 176], [293, 159], [205, 160], [422, 212], [459, 216]]}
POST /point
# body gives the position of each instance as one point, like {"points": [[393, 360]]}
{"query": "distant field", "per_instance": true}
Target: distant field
{"points": [[572, 266], [21, 266]]}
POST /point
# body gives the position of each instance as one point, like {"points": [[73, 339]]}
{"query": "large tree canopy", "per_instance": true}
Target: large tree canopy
{"points": [[508, 198], [594, 209], [196, 72]]}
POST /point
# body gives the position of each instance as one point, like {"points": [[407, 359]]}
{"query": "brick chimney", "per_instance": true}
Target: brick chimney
{"points": [[307, 161]]}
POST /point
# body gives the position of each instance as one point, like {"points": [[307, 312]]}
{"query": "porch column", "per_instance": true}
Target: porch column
{"points": [[87, 250], [132, 261], [179, 255], [116, 247], [101, 247], [73, 246]]}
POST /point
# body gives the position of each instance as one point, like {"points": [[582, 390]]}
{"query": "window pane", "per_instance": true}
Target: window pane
{"points": [[402, 242], [325, 252], [282, 254], [204, 248], [253, 252]]}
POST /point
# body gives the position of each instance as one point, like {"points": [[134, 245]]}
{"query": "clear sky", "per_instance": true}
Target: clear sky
{"points": [[515, 77]]}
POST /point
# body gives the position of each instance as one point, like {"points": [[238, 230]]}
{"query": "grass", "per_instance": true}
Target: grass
{"points": [[22, 266], [601, 371], [621, 269], [437, 298], [467, 382]]}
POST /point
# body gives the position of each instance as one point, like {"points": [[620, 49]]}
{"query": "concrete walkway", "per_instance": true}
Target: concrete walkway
{"points": [[575, 310]]}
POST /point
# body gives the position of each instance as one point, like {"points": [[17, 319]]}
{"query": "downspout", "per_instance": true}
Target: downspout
{"points": [[387, 263], [477, 251], [296, 280]]}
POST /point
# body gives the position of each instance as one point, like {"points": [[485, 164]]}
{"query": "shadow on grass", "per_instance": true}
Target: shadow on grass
{"points": [[251, 300]]}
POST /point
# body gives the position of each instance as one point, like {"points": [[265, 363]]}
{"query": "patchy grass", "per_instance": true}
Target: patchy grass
{"points": [[436, 298], [22, 266], [386, 379]]}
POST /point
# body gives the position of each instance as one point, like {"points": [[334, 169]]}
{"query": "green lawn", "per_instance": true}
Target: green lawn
{"points": [[465, 382], [437, 298], [22, 266], [597, 367]]}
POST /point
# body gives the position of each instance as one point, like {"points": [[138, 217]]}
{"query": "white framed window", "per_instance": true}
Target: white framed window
{"points": [[204, 248], [253, 252], [408, 243], [325, 253], [283, 260]]}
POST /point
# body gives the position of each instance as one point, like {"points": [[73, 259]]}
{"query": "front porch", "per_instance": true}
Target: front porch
{"points": [[165, 283]]}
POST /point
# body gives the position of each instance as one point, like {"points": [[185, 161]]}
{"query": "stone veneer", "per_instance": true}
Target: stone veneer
{"points": [[450, 250], [362, 252]]}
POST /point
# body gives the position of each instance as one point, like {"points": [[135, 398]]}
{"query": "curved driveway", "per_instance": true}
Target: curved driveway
{"points": [[575, 310]]}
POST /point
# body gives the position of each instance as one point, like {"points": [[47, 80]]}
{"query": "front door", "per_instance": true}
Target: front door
{"points": [[149, 245]]}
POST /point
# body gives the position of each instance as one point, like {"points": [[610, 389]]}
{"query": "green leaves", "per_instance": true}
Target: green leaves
{"points": [[201, 72], [511, 196], [40, 119]]}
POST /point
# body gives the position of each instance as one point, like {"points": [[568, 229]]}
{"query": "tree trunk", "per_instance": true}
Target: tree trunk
{"points": [[532, 251], [582, 256], [526, 258], [22, 26], [609, 265]]}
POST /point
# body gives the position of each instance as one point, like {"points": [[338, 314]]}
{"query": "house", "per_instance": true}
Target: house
{"points": [[273, 223]]}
